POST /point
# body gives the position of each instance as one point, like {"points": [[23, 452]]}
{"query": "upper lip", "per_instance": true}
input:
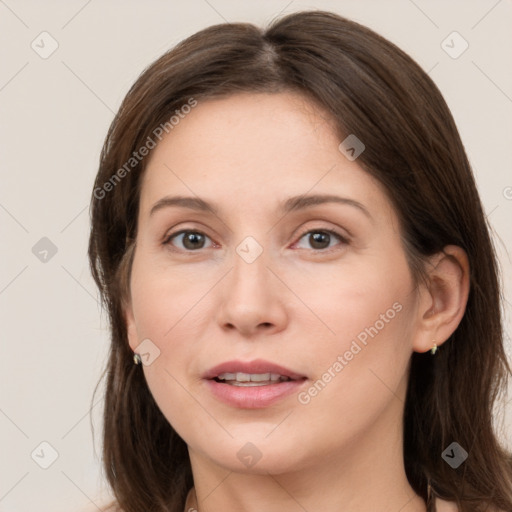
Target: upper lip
{"points": [[255, 366]]}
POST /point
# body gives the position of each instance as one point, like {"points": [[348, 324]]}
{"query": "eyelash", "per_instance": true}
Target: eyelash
{"points": [[343, 239]]}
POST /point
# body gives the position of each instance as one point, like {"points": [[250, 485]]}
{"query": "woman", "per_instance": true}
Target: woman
{"points": [[333, 341]]}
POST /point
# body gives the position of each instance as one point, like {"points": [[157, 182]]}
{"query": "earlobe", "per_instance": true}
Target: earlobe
{"points": [[443, 302]]}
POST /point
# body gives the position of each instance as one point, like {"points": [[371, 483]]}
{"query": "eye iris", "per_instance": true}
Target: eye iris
{"points": [[192, 237], [319, 238]]}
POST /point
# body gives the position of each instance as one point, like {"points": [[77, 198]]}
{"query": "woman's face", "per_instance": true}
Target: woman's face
{"points": [[263, 279]]}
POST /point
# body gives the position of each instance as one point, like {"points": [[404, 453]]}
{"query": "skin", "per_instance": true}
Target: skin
{"points": [[296, 304]]}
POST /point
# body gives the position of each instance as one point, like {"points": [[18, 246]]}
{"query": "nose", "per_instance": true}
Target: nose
{"points": [[252, 299]]}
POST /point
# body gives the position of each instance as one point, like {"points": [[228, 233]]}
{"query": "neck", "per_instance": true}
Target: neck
{"points": [[365, 474]]}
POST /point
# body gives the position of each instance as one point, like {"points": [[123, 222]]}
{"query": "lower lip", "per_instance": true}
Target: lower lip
{"points": [[253, 397]]}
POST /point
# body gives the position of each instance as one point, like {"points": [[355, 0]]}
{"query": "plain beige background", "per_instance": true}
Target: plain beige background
{"points": [[55, 111]]}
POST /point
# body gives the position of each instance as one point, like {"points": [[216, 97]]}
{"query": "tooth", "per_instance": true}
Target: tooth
{"points": [[227, 376], [248, 384], [260, 377], [243, 378]]}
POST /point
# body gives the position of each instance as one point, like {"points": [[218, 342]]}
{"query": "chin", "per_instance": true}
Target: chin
{"points": [[256, 455]]}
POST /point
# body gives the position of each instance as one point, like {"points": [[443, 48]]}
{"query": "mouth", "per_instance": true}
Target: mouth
{"points": [[253, 384], [257, 372], [251, 379]]}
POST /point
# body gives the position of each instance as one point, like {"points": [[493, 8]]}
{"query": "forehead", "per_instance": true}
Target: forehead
{"points": [[253, 124], [254, 148]]}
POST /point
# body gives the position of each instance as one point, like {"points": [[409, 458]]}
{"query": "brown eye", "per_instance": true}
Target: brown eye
{"points": [[191, 240], [320, 239]]}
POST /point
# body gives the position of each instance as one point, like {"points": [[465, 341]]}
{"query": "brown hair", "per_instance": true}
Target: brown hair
{"points": [[374, 90]]}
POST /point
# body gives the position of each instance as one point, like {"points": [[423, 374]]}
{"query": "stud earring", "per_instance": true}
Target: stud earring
{"points": [[433, 349], [137, 359]]}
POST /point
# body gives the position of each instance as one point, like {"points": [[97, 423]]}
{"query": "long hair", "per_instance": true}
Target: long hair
{"points": [[371, 89]]}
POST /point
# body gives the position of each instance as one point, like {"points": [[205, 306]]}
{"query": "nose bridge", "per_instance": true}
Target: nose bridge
{"points": [[250, 250], [250, 262], [250, 298]]}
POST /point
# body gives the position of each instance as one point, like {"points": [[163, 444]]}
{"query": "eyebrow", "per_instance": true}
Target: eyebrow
{"points": [[291, 204]]}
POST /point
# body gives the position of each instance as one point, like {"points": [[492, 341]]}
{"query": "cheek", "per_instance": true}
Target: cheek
{"points": [[360, 298], [361, 371], [366, 314], [164, 298], [168, 311]]}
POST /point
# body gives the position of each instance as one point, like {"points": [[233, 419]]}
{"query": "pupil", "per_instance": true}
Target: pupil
{"points": [[319, 238], [191, 238]]}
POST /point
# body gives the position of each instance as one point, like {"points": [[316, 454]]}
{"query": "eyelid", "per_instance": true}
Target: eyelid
{"points": [[344, 235], [345, 239], [168, 236]]}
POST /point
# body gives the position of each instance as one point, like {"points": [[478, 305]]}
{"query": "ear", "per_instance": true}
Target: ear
{"points": [[442, 302], [131, 329]]}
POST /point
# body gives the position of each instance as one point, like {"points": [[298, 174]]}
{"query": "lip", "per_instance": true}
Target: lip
{"points": [[255, 366], [253, 397]]}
